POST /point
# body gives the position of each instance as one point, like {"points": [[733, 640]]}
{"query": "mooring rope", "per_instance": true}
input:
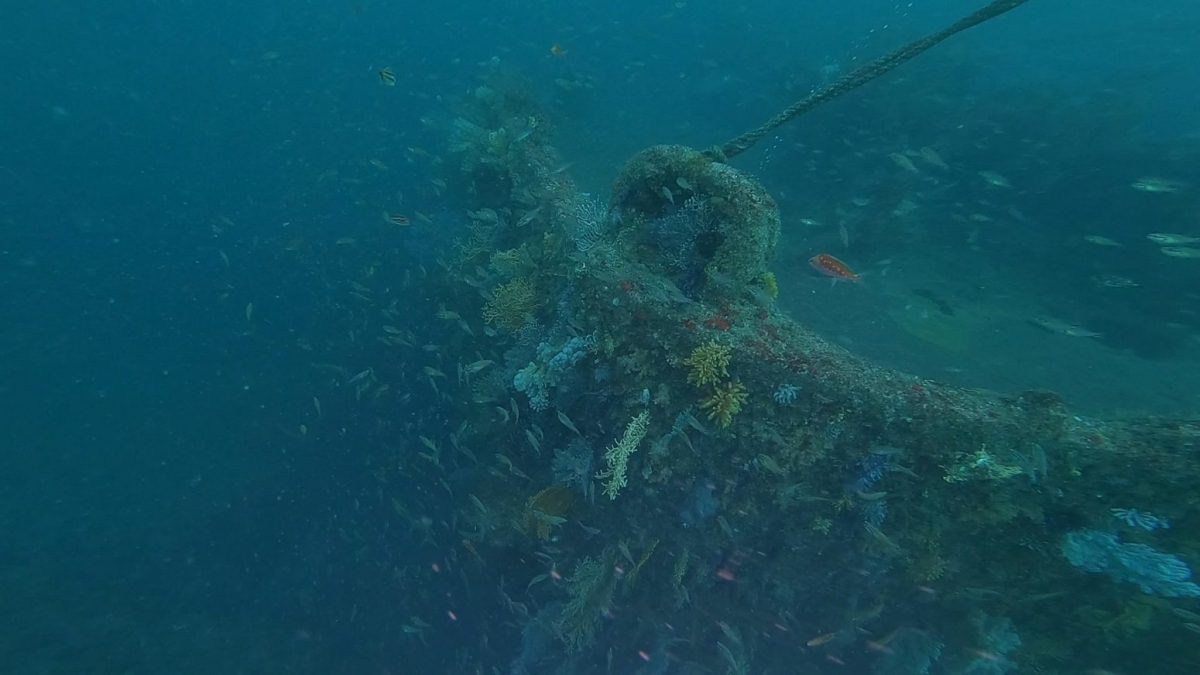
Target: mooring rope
{"points": [[861, 76]]}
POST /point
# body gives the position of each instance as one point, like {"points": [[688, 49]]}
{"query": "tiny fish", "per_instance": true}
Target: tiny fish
{"points": [[1102, 241], [994, 179], [667, 194], [528, 217], [833, 268], [1113, 281], [566, 422], [930, 155], [557, 51], [317, 405], [685, 184], [822, 639], [1062, 327], [770, 464], [524, 134], [903, 162], [1186, 614], [1171, 239], [358, 377], [396, 219], [249, 311], [433, 372], [448, 315], [475, 367], [537, 446], [387, 76], [1156, 185], [1181, 252]]}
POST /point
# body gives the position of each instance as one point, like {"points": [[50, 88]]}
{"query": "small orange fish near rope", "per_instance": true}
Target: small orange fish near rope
{"points": [[833, 268]]}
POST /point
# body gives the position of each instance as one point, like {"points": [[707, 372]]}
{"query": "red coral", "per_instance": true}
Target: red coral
{"points": [[718, 322]]}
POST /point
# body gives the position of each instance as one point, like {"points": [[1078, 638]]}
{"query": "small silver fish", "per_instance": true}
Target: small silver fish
{"points": [[476, 366], [1156, 185], [1113, 281], [528, 217], [1181, 252], [566, 422], [903, 162], [1171, 239], [930, 155], [1062, 327], [994, 179]]}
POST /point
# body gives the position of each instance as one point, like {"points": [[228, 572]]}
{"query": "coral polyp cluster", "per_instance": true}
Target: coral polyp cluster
{"points": [[708, 363], [512, 305], [725, 402]]}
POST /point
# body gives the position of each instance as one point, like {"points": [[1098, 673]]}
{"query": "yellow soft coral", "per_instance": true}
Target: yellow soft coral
{"points": [[725, 402], [546, 509], [708, 363], [511, 305], [770, 285], [512, 262]]}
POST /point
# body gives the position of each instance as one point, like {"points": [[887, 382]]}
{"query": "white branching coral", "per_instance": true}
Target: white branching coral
{"points": [[617, 456]]}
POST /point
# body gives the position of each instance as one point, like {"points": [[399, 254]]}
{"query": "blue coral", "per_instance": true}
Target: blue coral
{"points": [[786, 394], [531, 381], [569, 355], [1140, 519], [550, 368], [874, 467], [1154, 572], [874, 513]]}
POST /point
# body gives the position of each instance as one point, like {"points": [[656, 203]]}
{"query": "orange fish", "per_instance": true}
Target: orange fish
{"points": [[833, 268], [558, 50]]}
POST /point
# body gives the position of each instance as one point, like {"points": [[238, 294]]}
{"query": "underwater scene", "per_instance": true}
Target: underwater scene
{"points": [[674, 337]]}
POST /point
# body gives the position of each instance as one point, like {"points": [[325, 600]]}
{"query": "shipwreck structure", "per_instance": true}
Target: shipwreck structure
{"points": [[707, 481]]}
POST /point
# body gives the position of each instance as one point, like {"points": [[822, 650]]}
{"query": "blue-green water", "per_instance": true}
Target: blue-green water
{"points": [[191, 233]]}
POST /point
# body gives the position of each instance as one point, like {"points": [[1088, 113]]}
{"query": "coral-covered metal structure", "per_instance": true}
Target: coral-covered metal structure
{"points": [[783, 505]]}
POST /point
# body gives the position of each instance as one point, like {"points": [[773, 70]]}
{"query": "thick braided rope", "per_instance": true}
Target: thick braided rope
{"points": [[865, 74]]}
